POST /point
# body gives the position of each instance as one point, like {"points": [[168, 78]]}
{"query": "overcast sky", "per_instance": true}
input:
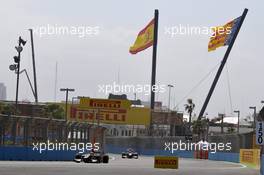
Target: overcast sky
{"points": [[182, 60]]}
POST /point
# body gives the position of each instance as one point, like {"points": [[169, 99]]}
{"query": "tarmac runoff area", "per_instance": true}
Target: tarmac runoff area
{"points": [[118, 166]]}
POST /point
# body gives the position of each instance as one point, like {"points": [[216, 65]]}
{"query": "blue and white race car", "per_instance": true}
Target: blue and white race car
{"points": [[130, 154]]}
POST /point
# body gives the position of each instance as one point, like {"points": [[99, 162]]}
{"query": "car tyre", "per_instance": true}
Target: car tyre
{"points": [[88, 160], [105, 159]]}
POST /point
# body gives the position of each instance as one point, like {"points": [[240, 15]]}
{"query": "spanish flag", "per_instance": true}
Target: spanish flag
{"points": [[223, 35], [144, 39]]}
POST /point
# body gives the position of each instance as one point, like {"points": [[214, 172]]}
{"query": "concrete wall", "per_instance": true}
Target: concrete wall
{"points": [[141, 142], [143, 145], [221, 156], [27, 154], [241, 141], [156, 146], [238, 141]]}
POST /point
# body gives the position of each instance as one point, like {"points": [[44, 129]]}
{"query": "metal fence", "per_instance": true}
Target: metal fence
{"points": [[24, 130]]}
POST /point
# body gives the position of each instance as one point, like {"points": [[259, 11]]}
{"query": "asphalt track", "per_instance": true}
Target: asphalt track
{"points": [[118, 166]]}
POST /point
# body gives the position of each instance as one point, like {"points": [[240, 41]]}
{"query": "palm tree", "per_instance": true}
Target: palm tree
{"points": [[189, 107], [200, 126]]}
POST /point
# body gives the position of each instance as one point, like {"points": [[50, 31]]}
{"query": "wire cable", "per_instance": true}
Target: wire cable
{"points": [[229, 89], [197, 85]]}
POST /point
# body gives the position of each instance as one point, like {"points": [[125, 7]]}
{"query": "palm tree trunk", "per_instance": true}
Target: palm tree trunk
{"points": [[190, 119]]}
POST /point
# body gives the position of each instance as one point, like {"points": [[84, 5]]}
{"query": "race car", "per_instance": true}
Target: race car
{"points": [[79, 157], [92, 157], [130, 154]]}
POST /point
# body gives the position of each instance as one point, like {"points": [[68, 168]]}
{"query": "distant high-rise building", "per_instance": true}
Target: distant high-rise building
{"points": [[2, 91]]}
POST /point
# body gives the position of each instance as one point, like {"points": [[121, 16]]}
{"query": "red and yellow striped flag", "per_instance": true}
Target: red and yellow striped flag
{"points": [[144, 39], [223, 34]]}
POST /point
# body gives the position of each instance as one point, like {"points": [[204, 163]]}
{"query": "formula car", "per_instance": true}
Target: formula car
{"points": [[79, 157], [130, 154], [92, 157]]}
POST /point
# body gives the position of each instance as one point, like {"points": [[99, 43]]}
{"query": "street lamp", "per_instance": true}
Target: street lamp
{"points": [[67, 90], [170, 86], [16, 66], [238, 116], [255, 112]]}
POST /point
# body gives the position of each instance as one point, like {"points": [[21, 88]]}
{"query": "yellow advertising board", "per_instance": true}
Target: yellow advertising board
{"points": [[169, 162], [109, 111], [250, 157]]}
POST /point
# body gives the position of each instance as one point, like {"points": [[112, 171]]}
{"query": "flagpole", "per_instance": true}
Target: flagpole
{"points": [[222, 65], [153, 73]]}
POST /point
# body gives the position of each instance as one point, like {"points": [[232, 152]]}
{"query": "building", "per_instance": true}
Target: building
{"points": [[2, 91]]}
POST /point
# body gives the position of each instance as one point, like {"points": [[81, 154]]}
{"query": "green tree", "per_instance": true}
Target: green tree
{"points": [[189, 107], [8, 109], [1, 107], [53, 111], [230, 129], [200, 126]]}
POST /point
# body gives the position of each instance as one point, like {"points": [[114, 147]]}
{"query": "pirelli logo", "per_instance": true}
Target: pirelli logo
{"points": [[171, 162]]}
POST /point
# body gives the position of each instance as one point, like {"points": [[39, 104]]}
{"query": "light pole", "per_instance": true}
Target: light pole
{"points": [[238, 117], [261, 146], [67, 90], [34, 66], [16, 66], [254, 117], [170, 86]]}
